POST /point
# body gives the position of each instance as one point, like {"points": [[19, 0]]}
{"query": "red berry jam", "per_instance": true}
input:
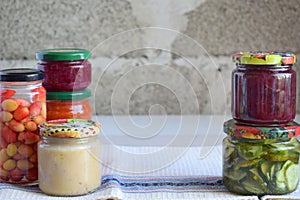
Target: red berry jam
{"points": [[264, 88], [65, 69]]}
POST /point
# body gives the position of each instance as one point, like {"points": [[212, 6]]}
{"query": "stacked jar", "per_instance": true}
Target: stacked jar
{"points": [[67, 75], [261, 151]]}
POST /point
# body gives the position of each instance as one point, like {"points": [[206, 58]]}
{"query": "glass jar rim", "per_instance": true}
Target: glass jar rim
{"points": [[68, 139], [235, 129]]}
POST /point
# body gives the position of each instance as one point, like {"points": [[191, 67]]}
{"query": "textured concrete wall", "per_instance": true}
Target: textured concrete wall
{"points": [[182, 64]]}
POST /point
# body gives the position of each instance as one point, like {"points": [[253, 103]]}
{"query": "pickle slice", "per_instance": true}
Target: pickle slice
{"points": [[235, 174], [257, 177], [228, 152], [291, 176], [265, 169], [280, 176], [234, 186], [280, 181], [250, 152], [251, 186], [248, 163]]}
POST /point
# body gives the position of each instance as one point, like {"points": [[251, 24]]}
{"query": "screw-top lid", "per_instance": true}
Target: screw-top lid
{"points": [[69, 128], [21, 75], [235, 129], [63, 54], [75, 95], [264, 58]]}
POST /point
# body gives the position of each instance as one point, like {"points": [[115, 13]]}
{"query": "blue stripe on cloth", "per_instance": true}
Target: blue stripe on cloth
{"points": [[166, 184], [146, 184]]}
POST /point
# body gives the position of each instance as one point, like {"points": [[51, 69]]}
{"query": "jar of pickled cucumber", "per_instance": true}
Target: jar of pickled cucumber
{"points": [[69, 157], [64, 105], [261, 160], [23, 108], [66, 69], [264, 88]]}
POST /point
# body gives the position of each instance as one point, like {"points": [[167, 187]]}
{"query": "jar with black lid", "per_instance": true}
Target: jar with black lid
{"points": [[23, 108]]}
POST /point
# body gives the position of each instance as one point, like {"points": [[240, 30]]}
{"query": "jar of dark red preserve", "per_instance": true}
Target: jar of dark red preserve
{"points": [[264, 88], [65, 69]]}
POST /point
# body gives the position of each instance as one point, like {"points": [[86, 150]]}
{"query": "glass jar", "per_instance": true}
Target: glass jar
{"points": [[257, 166], [69, 157], [66, 69], [264, 88], [23, 108], [63, 105]]}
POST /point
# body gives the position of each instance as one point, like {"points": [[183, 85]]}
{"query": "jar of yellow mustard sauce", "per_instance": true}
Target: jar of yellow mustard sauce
{"points": [[69, 157]]}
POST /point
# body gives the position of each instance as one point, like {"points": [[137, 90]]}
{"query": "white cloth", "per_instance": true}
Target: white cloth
{"points": [[189, 176]]}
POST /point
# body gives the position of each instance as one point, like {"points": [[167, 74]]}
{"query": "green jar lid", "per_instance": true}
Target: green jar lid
{"points": [[235, 129], [264, 58], [75, 95], [62, 54]]}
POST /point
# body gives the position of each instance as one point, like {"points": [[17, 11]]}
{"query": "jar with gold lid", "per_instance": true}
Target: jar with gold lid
{"points": [[264, 88], [69, 157]]}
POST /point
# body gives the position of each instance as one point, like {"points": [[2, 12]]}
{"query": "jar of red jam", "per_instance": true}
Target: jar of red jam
{"points": [[65, 69], [64, 105], [23, 108], [264, 88]]}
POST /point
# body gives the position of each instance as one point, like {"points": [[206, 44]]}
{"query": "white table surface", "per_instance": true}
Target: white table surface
{"points": [[157, 146], [157, 130], [187, 131]]}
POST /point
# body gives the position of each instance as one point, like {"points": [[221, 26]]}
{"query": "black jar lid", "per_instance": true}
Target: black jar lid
{"points": [[21, 75]]}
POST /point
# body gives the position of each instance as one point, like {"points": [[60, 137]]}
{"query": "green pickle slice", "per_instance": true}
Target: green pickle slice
{"points": [[263, 167], [291, 176], [251, 186]]}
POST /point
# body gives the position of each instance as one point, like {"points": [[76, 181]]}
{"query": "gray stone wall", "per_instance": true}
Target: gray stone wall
{"points": [[158, 57]]}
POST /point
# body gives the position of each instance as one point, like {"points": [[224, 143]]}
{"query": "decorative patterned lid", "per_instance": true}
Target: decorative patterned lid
{"points": [[264, 58], [69, 128], [235, 129]]}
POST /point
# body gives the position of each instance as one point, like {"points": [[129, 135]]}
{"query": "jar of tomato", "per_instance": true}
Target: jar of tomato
{"points": [[23, 108], [64, 105], [259, 160], [69, 157], [66, 69], [264, 88]]}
